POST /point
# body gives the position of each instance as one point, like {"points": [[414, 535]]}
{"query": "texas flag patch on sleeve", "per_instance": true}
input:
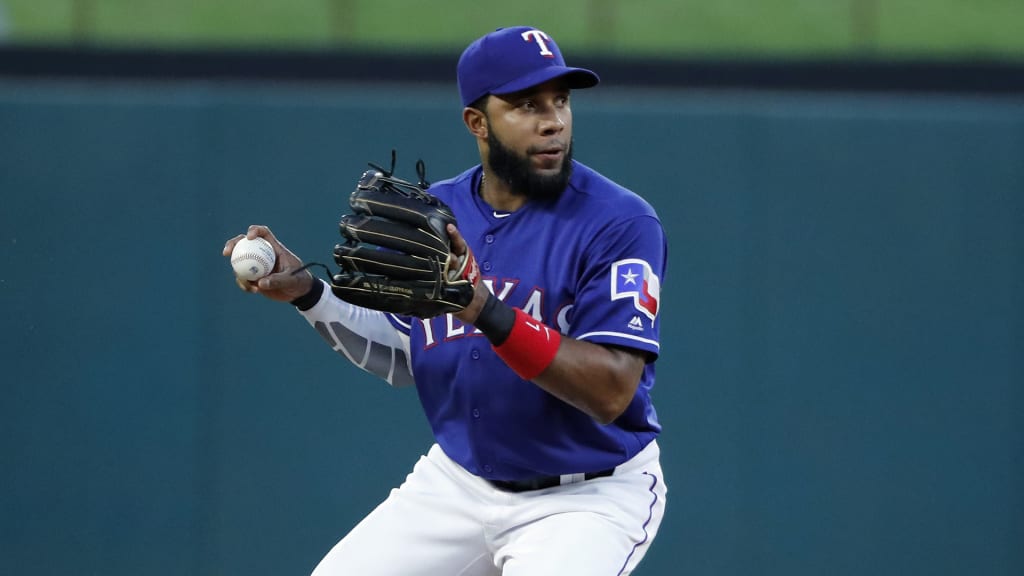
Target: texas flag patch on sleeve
{"points": [[633, 278]]}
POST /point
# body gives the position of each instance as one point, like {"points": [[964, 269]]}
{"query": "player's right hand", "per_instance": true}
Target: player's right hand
{"points": [[282, 284]]}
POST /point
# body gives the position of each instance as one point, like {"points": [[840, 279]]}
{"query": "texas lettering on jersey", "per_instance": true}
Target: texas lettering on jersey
{"points": [[447, 327], [630, 278]]}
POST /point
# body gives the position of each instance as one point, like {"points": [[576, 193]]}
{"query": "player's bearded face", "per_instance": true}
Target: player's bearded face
{"points": [[523, 179]]}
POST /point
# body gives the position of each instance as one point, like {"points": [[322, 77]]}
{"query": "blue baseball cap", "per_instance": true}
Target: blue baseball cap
{"points": [[513, 59]]}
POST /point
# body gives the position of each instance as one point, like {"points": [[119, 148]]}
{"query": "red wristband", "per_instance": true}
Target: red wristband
{"points": [[530, 347]]}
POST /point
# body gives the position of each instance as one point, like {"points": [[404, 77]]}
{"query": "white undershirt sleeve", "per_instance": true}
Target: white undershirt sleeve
{"points": [[364, 336]]}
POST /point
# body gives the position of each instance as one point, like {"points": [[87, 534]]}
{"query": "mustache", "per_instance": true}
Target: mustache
{"points": [[550, 146]]}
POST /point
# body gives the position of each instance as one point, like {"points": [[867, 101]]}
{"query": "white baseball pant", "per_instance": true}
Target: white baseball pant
{"points": [[444, 521]]}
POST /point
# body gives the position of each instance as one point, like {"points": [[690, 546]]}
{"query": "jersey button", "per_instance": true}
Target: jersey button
{"points": [[488, 468], [476, 413], [486, 266], [489, 238], [475, 354]]}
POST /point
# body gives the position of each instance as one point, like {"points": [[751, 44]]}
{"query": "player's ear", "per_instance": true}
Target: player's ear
{"points": [[476, 121]]}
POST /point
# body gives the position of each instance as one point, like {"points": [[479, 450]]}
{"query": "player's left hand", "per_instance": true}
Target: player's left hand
{"points": [[460, 250], [397, 255]]}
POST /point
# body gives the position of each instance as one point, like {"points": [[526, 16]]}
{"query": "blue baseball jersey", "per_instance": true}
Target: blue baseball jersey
{"points": [[589, 264]]}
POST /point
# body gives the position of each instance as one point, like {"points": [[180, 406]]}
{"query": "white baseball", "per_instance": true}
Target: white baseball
{"points": [[252, 259]]}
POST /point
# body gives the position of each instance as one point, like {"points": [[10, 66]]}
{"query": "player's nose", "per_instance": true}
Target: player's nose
{"points": [[552, 123]]}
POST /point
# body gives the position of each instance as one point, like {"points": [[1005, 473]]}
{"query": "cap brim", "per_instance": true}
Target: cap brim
{"points": [[577, 78]]}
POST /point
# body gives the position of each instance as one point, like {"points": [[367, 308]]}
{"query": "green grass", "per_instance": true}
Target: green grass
{"points": [[941, 28]]}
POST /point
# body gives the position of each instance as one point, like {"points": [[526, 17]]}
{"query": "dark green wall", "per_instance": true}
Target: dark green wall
{"points": [[842, 376]]}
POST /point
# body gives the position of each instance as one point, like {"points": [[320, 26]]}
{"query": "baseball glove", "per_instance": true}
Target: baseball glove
{"points": [[397, 254]]}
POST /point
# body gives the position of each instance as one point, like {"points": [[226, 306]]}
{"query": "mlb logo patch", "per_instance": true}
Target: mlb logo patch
{"points": [[633, 278]]}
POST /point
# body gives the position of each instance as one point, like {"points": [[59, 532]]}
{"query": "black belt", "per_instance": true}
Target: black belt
{"points": [[543, 481]]}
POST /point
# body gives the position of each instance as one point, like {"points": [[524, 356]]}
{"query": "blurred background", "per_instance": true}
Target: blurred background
{"points": [[851, 28], [842, 184]]}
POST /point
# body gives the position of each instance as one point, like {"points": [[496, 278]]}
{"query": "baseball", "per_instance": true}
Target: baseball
{"points": [[252, 259]]}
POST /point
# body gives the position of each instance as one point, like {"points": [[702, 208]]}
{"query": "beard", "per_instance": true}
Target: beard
{"points": [[516, 171]]}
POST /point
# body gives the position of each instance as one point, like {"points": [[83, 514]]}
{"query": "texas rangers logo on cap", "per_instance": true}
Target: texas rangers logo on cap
{"points": [[541, 39], [512, 59], [634, 278]]}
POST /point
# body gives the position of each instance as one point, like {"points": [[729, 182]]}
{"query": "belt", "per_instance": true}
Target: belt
{"points": [[547, 481]]}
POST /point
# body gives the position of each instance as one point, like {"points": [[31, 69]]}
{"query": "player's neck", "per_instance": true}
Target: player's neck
{"points": [[498, 195]]}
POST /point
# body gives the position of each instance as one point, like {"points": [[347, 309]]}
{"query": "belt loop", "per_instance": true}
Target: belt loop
{"points": [[571, 478]]}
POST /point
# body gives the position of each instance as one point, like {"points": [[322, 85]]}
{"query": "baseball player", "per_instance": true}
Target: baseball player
{"points": [[537, 387]]}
